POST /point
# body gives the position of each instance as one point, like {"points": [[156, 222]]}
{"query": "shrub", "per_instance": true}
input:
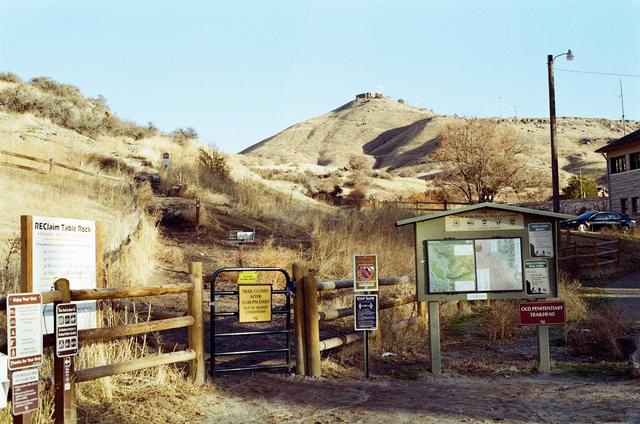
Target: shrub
{"points": [[356, 198], [9, 77], [213, 163], [579, 187], [64, 105], [181, 135], [501, 321], [597, 338], [361, 162]]}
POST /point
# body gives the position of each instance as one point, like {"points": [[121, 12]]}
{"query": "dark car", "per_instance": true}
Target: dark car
{"points": [[596, 221]]}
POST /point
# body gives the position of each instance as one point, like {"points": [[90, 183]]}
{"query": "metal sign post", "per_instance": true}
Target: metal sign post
{"points": [[366, 319]]}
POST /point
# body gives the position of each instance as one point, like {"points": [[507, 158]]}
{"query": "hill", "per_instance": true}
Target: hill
{"points": [[399, 138]]}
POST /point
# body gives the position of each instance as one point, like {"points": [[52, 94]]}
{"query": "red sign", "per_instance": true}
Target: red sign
{"points": [[542, 313]]}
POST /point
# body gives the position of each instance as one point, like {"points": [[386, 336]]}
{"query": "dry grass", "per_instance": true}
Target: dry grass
{"points": [[501, 320], [336, 240], [576, 308]]}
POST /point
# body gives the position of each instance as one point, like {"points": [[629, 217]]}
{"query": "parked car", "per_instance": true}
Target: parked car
{"points": [[596, 221]]}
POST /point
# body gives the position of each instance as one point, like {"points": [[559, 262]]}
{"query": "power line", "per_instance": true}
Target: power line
{"points": [[598, 73]]}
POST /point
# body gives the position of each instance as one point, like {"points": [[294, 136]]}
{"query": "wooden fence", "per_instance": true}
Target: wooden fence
{"points": [[51, 165], [65, 404], [307, 317], [416, 205], [598, 251]]}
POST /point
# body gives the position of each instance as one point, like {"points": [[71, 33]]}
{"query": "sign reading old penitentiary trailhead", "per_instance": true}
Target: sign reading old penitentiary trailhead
{"points": [[542, 313]]}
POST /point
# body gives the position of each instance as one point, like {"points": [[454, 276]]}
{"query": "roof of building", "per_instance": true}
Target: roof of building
{"points": [[497, 206], [628, 139]]}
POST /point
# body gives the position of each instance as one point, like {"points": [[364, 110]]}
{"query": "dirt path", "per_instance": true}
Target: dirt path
{"points": [[262, 398], [630, 307]]}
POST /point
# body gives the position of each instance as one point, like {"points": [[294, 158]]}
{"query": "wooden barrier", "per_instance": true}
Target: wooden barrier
{"points": [[312, 327], [51, 164], [65, 410], [307, 318], [600, 253], [606, 292], [299, 324]]}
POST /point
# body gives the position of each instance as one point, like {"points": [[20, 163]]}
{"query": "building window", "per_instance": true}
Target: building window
{"points": [[634, 206], [623, 205], [634, 159], [618, 165]]}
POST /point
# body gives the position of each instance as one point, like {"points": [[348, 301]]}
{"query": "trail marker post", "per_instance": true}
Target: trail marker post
{"points": [[365, 279]]}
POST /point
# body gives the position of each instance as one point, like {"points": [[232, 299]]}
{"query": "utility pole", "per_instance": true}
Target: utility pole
{"points": [[555, 184], [624, 129]]}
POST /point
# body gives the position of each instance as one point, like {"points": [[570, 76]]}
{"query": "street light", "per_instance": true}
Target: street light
{"points": [[555, 184]]}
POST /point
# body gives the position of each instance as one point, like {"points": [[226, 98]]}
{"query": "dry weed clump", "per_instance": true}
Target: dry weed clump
{"points": [[501, 320], [597, 337], [576, 309]]}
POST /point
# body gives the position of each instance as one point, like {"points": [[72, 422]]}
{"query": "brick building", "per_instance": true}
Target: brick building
{"points": [[623, 173]]}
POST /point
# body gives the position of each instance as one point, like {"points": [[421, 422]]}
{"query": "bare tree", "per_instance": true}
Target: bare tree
{"points": [[480, 159]]}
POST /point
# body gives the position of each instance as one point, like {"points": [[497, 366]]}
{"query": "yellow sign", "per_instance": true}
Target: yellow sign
{"points": [[248, 277], [254, 303]]}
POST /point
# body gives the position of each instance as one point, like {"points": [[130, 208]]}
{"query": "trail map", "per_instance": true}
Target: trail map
{"points": [[474, 265], [451, 266], [499, 264]]}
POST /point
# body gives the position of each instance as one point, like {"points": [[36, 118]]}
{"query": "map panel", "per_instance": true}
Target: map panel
{"points": [[451, 266], [499, 264]]}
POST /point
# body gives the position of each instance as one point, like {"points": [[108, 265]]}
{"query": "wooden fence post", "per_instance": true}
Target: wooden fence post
{"points": [[196, 331], [299, 319], [65, 398], [617, 253], [312, 326], [50, 165], [595, 254]]}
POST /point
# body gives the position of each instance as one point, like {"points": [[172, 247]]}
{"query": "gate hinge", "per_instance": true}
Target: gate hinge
{"points": [[212, 303]]}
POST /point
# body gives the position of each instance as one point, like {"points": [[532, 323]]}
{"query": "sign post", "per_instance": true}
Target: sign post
{"points": [[365, 312]]}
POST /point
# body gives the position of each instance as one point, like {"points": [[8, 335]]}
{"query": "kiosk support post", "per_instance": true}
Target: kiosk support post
{"points": [[434, 337], [544, 357]]}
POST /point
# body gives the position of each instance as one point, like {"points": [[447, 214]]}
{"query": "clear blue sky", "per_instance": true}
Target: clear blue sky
{"points": [[240, 71]]}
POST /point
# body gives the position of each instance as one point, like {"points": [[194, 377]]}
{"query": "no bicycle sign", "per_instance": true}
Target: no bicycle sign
{"points": [[365, 273]]}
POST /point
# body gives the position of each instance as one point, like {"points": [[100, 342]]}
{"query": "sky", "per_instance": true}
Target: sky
{"points": [[240, 71]]}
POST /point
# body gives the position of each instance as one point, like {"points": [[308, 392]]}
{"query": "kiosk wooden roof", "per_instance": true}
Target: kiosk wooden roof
{"points": [[496, 206]]}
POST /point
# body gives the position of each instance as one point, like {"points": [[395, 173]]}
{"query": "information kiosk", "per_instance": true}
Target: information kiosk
{"points": [[483, 252]]}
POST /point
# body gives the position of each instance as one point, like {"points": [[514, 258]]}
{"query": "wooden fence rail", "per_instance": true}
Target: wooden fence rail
{"points": [[603, 251], [606, 292], [416, 205], [51, 163], [194, 353]]}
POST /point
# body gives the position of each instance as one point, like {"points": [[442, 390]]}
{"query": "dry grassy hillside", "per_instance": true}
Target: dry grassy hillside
{"points": [[399, 138]]}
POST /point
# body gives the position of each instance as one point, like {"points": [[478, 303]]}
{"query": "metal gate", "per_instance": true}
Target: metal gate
{"points": [[284, 331]]}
